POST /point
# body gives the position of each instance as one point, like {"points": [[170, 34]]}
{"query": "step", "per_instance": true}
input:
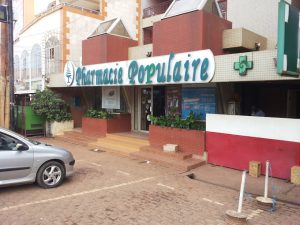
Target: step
{"points": [[135, 135], [115, 146], [79, 135], [71, 140], [127, 139], [159, 151], [118, 143], [182, 165]]}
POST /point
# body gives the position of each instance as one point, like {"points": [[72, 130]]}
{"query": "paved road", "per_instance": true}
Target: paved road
{"points": [[111, 189]]}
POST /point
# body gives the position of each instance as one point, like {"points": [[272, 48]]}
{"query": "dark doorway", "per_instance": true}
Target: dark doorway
{"points": [[159, 100]]}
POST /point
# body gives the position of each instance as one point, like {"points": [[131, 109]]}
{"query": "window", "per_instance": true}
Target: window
{"points": [[52, 54], [36, 62], [24, 66], [17, 68], [8, 143], [179, 7]]}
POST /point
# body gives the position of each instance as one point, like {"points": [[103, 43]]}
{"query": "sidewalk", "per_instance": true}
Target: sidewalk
{"points": [[282, 190]]}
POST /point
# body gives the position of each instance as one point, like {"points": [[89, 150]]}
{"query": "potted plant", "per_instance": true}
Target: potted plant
{"points": [[54, 110], [188, 134], [100, 122]]}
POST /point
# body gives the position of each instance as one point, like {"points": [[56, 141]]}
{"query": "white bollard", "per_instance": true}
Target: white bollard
{"points": [[242, 192], [266, 179], [264, 201]]}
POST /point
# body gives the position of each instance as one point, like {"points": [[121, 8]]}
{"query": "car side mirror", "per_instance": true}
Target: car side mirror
{"points": [[21, 147]]}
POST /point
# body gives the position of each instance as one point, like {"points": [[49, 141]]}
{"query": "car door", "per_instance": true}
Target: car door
{"points": [[14, 163]]}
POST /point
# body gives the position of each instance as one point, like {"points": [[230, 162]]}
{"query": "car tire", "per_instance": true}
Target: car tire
{"points": [[51, 174]]}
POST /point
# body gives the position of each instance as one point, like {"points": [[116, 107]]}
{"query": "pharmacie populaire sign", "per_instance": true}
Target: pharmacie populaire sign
{"points": [[183, 68]]}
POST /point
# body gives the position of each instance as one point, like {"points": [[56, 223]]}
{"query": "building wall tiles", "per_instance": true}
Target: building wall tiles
{"points": [[264, 68]]}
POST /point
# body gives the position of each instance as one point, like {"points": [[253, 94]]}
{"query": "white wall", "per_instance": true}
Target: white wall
{"points": [[259, 16], [81, 27], [252, 126], [126, 10]]}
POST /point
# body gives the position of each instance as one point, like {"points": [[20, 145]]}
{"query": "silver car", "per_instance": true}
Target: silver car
{"points": [[26, 161]]}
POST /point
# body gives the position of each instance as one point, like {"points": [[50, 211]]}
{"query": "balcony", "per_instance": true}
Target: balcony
{"points": [[156, 9]]}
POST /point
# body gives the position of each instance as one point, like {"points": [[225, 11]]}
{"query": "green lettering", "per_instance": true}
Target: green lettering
{"points": [[120, 76], [99, 77], [150, 73], [171, 56], [141, 76], [78, 76], [161, 78], [176, 72], [204, 68], [195, 65], [132, 71]]}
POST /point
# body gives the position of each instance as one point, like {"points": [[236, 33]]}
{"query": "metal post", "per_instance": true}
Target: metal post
{"points": [[266, 180], [11, 62], [242, 192]]}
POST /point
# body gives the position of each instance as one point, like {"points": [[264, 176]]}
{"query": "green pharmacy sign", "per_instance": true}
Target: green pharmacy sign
{"points": [[288, 43], [243, 65]]}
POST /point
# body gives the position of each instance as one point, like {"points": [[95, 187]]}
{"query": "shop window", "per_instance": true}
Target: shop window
{"points": [[200, 101]]}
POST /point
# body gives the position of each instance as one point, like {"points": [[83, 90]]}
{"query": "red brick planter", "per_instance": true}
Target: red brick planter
{"points": [[100, 127], [188, 141]]}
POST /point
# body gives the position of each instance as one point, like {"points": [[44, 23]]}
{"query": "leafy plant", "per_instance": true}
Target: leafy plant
{"points": [[50, 106], [100, 114], [175, 121]]}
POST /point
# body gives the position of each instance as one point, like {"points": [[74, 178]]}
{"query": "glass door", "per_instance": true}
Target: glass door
{"points": [[145, 108]]}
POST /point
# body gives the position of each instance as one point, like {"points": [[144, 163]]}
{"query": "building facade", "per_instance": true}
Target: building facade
{"points": [[161, 57]]}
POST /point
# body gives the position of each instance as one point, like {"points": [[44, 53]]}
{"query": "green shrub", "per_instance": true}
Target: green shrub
{"points": [[175, 121], [50, 106], [99, 114]]}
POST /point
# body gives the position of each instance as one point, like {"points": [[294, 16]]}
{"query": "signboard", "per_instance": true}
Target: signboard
{"points": [[3, 14], [111, 97], [183, 68], [198, 100], [288, 44]]}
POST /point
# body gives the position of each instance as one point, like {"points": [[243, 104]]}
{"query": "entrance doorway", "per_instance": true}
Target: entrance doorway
{"points": [[151, 101], [145, 107], [159, 98]]}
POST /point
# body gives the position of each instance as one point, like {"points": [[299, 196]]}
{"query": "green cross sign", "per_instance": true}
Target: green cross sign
{"points": [[243, 65]]}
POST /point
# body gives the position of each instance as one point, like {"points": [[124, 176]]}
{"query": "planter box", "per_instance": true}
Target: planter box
{"points": [[100, 127], [58, 128], [188, 141]]}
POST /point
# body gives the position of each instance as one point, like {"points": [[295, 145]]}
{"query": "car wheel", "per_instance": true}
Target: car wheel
{"points": [[51, 174]]}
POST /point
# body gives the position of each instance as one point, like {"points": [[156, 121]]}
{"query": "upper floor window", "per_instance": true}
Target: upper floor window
{"points": [[52, 54], [24, 66], [17, 68], [36, 61]]}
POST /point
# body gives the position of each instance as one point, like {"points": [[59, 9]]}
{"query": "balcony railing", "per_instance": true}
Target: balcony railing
{"points": [[156, 9]]}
